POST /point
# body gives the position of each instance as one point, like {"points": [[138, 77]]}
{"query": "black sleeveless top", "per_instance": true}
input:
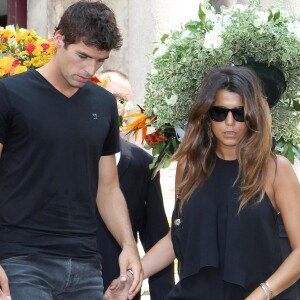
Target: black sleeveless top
{"points": [[244, 247]]}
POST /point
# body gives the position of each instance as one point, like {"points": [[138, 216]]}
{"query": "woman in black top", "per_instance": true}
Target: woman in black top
{"points": [[224, 226]]}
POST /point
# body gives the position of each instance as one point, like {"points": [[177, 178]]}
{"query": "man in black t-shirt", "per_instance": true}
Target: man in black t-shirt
{"points": [[58, 139]]}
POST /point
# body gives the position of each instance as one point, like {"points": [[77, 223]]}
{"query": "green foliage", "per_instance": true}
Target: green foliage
{"points": [[182, 58]]}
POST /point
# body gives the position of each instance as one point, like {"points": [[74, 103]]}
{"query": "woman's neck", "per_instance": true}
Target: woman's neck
{"points": [[226, 154]]}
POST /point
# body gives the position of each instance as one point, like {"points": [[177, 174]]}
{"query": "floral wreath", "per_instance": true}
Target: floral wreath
{"points": [[236, 35]]}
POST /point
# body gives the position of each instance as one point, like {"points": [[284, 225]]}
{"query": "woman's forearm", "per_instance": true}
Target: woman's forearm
{"points": [[158, 257]]}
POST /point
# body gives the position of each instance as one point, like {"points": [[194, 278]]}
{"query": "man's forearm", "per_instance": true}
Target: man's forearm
{"points": [[113, 210]]}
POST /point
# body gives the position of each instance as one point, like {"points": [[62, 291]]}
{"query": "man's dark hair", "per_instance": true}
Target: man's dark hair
{"points": [[93, 23]]}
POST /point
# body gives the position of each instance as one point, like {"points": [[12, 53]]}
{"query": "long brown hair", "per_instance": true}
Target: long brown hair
{"points": [[198, 147]]}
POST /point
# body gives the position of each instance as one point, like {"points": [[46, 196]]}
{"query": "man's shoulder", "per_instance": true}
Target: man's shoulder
{"points": [[16, 79]]}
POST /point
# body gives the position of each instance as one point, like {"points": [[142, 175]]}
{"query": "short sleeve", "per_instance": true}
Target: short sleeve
{"points": [[112, 141], [4, 112]]}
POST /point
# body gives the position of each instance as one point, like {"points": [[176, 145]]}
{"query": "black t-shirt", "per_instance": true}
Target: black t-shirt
{"points": [[49, 165]]}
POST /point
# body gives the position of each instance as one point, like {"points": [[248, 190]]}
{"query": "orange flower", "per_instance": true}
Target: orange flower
{"points": [[155, 138], [141, 123]]}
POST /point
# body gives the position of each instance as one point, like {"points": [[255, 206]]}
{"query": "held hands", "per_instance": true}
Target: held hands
{"points": [[4, 289], [119, 288], [130, 260]]}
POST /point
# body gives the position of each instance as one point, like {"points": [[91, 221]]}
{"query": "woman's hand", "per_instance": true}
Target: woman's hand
{"points": [[4, 289], [119, 288]]}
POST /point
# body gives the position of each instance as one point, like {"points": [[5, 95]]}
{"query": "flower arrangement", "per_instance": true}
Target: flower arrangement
{"points": [[22, 49], [237, 35]]}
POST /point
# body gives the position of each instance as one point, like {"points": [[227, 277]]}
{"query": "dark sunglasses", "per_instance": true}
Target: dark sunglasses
{"points": [[219, 113]]}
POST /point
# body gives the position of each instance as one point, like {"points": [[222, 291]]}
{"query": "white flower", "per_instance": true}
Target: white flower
{"points": [[210, 16], [12, 42], [257, 23], [262, 15], [154, 72], [185, 34], [161, 50], [294, 28], [239, 7], [172, 100], [226, 21], [179, 133], [212, 40], [129, 106], [11, 27], [24, 30], [219, 26]]}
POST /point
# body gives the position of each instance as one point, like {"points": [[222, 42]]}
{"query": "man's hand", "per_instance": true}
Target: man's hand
{"points": [[131, 269], [4, 288]]}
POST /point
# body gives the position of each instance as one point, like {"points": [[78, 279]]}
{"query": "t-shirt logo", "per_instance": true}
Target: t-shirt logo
{"points": [[95, 116]]}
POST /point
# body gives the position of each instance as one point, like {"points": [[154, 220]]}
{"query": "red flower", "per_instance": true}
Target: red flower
{"points": [[4, 38], [95, 79], [45, 46], [155, 138], [30, 48], [16, 63]]}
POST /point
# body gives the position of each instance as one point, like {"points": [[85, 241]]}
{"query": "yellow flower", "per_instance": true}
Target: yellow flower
{"points": [[37, 51], [3, 47], [24, 53], [27, 63], [13, 42], [29, 40], [8, 32], [6, 64], [18, 70], [36, 62]]}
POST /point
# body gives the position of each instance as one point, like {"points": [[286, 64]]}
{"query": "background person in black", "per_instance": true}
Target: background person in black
{"points": [[144, 200], [224, 230], [58, 137]]}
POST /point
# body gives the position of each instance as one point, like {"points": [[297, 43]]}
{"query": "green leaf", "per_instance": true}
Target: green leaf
{"points": [[296, 152], [290, 153], [296, 105], [17, 28], [120, 118], [270, 16], [164, 37], [201, 14], [193, 25], [276, 16]]}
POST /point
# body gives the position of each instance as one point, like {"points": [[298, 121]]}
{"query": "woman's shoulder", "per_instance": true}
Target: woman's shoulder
{"points": [[285, 180], [281, 165]]}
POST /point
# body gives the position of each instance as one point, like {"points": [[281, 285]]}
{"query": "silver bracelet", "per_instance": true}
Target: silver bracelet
{"points": [[269, 288], [266, 290], [130, 274]]}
